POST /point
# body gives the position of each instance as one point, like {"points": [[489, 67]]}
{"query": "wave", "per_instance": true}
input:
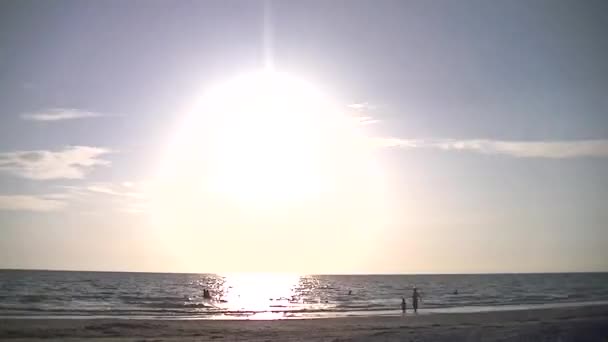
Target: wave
{"points": [[304, 313]]}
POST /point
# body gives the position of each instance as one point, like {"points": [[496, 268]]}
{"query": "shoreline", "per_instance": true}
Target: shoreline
{"points": [[583, 323], [306, 315]]}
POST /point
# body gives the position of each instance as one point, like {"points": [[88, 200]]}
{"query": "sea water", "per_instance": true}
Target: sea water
{"points": [[60, 294]]}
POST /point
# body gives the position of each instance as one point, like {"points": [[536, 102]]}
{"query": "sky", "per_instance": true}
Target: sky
{"points": [[310, 137]]}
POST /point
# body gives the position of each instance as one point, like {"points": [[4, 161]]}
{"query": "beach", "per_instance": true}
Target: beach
{"points": [[588, 323]]}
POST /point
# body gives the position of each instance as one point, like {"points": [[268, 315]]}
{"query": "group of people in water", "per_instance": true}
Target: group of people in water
{"points": [[206, 294], [415, 299]]}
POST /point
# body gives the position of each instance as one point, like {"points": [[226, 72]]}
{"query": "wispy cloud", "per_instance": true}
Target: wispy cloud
{"points": [[366, 120], [70, 163], [125, 197], [360, 106], [396, 142], [125, 189], [40, 203], [520, 149], [92, 198], [359, 113], [57, 114]]}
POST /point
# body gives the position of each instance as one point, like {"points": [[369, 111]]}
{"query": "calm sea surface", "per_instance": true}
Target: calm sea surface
{"points": [[260, 296]]}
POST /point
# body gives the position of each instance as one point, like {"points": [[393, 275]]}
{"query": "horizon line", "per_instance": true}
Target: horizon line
{"points": [[300, 273]]}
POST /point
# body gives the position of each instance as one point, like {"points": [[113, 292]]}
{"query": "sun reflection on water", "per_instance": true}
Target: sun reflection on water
{"points": [[260, 294], [265, 296]]}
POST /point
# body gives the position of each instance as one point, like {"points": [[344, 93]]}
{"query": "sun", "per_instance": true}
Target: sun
{"points": [[260, 160], [267, 137], [263, 137]]}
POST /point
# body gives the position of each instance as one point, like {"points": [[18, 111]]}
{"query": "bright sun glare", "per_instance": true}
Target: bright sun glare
{"points": [[261, 159], [266, 137]]}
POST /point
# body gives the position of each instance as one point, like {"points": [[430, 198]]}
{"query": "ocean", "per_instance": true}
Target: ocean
{"points": [[63, 294]]}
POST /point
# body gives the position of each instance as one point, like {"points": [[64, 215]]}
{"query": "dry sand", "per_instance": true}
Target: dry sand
{"points": [[564, 324]]}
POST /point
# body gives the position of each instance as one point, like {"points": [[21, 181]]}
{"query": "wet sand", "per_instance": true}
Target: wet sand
{"points": [[563, 324]]}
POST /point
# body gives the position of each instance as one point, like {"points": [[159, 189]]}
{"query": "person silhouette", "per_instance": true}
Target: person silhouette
{"points": [[403, 305], [415, 298]]}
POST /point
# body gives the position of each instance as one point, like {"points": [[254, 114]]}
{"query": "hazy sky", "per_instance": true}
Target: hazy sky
{"points": [[478, 141]]}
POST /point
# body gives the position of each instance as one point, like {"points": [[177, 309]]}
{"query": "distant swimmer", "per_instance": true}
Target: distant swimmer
{"points": [[350, 292], [415, 298], [455, 292], [403, 305], [206, 294]]}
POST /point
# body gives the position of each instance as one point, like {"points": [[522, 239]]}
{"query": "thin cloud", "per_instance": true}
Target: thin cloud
{"points": [[519, 149], [395, 142], [39, 203], [360, 106], [126, 197], [366, 120], [90, 198], [58, 114], [359, 113], [72, 162], [125, 189]]}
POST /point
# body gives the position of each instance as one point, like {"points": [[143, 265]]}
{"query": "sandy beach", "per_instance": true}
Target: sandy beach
{"points": [[564, 324]]}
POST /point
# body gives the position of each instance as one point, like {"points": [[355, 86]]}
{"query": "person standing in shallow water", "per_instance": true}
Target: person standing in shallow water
{"points": [[415, 298], [403, 305]]}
